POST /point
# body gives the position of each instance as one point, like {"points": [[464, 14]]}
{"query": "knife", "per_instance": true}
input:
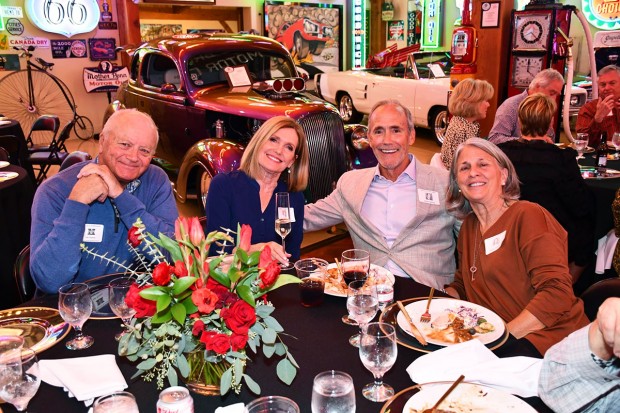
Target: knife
{"points": [[414, 330]]}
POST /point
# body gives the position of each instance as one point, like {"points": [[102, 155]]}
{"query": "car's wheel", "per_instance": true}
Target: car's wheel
{"points": [[347, 111], [202, 187], [316, 48], [302, 47], [438, 122]]}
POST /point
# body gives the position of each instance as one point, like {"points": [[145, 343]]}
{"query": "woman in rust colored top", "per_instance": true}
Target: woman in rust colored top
{"points": [[512, 253]]}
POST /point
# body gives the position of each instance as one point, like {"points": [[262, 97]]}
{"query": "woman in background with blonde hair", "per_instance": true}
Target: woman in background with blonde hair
{"points": [[468, 103], [275, 160]]}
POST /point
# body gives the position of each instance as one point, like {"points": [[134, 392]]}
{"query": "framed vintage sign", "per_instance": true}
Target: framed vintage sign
{"points": [[102, 49]]}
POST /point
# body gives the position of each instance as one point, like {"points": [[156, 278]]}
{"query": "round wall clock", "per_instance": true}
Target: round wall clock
{"points": [[531, 32], [524, 69]]}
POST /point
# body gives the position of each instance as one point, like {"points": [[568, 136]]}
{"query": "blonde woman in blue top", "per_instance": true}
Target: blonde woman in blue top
{"points": [[275, 160]]}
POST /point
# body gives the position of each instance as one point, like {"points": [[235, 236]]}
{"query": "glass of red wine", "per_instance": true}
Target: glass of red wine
{"points": [[355, 264]]}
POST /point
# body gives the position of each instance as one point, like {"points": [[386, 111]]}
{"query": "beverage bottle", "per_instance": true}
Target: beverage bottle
{"points": [[601, 154]]}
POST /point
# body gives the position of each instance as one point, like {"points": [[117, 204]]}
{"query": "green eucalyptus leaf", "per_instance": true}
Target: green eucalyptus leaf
{"points": [[263, 311], [183, 365], [252, 385], [163, 301], [268, 350], [226, 381], [182, 284], [137, 374], [152, 293], [273, 323], [292, 360], [173, 378], [280, 349], [238, 368], [179, 313], [147, 364], [286, 371], [245, 293], [269, 336]]}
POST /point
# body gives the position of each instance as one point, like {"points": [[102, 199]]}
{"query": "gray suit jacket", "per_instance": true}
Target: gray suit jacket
{"points": [[425, 247]]}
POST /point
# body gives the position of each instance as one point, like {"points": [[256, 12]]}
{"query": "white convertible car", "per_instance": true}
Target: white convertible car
{"points": [[421, 84]]}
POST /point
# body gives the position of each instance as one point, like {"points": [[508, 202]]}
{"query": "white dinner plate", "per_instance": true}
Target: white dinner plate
{"points": [[376, 275], [466, 398], [5, 176], [438, 307], [4, 164]]}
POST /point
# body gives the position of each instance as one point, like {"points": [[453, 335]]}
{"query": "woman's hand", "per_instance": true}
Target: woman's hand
{"points": [[523, 324], [277, 252], [452, 292]]}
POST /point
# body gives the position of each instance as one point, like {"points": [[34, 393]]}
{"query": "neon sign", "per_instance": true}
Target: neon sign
{"points": [[603, 14], [66, 17], [431, 29], [359, 33]]}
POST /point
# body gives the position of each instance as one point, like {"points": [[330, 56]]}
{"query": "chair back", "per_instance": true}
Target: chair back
{"points": [[21, 271], [4, 155], [50, 123], [64, 135], [73, 158], [18, 154], [598, 292]]}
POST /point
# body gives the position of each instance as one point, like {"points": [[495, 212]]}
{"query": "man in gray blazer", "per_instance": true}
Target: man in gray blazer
{"points": [[396, 211]]}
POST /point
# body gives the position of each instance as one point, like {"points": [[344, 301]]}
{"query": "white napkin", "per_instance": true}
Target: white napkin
{"points": [[233, 408], [515, 375], [605, 252], [84, 378]]}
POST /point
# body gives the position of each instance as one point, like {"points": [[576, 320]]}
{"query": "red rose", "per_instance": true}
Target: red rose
{"points": [[180, 270], [239, 317], [198, 327], [205, 300], [133, 237], [245, 237], [225, 297], [220, 343], [143, 307], [238, 341], [265, 257], [269, 276], [162, 273]]}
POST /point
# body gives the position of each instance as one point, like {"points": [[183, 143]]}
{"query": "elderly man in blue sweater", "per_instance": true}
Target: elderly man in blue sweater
{"points": [[96, 203]]}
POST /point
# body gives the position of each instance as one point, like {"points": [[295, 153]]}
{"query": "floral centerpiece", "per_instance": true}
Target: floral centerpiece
{"points": [[200, 316]]}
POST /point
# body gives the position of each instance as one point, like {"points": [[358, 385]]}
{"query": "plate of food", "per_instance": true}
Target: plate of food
{"points": [[591, 172], [40, 327], [335, 285], [465, 398], [453, 321], [563, 145]]}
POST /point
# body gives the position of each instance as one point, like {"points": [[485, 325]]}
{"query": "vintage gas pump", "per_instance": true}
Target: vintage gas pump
{"points": [[539, 41], [463, 48]]}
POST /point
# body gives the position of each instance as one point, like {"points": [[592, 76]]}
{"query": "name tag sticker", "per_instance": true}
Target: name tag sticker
{"points": [[93, 233], [291, 214], [428, 197], [493, 243]]}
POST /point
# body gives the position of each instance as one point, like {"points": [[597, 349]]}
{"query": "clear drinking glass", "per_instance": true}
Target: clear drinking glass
{"points": [[283, 218], [272, 404], [355, 264], [75, 306], [333, 392], [581, 142], [362, 304], [378, 353], [615, 141], [118, 289], [20, 379], [120, 401]]}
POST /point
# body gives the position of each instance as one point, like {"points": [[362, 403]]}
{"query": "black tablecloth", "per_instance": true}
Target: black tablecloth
{"points": [[14, 128], [604, 191], [15, 203], [321, 344]]}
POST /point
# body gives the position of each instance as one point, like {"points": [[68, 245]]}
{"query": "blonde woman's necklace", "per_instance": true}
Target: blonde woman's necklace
{"points": [[473, 267]]}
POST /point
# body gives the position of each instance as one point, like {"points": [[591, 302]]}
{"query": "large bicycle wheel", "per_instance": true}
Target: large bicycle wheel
{"points": [[83, 128], [49, 98]]}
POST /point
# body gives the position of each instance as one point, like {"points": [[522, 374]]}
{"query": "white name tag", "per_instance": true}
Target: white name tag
{"points": [[428, 197], [493, 243], [284, 214], [93, 233], [291, 214]]}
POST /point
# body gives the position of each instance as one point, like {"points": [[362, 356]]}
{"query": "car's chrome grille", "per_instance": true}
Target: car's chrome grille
{"points": [[325, 135]]}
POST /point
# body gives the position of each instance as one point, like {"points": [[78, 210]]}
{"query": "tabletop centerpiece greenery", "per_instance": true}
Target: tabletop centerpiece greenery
{"points": [[201, 316]]}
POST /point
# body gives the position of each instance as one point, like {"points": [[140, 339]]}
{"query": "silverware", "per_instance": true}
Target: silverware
{"points": [[414, 330], [446, 394], [426, 316]]}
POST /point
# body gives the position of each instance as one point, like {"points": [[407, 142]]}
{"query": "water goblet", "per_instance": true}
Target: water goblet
{"points": [[283, 216], [333, 392], [378, 353], [75, 306], [272, 404], [118, 290], [580, 144], [355, 264], [615, 141], [120, 401], [20, 379], [362, 304]]}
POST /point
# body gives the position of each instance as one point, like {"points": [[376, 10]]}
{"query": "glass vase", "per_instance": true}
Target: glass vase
{"points": [[205, 376]]}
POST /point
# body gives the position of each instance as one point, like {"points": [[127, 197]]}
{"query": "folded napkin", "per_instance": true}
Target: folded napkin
{"points": [[605, 252], [515, 375], [233, 408], [84, 378]]}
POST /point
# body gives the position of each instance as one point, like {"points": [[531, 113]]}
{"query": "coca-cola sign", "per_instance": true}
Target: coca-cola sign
{"points": [[66, 17]]}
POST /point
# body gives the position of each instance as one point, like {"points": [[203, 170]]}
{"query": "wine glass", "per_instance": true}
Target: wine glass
{"points": [[118, 289], [580, 144], [362, 304], [615, 140], [283, 219], [75, 306], [378, 353], [20, 379], [355, 264], [332, 391], [120, 401]]}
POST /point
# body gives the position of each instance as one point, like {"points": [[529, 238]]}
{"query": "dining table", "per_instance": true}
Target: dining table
{"points": [[16, 194], [604, 190], [315, 336]]}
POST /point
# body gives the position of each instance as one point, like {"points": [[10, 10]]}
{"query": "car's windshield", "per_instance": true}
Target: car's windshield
{"points": [[207, 69]]}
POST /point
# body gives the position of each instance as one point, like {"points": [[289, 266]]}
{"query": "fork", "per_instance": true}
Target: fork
{"points": [[426, 316]]}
